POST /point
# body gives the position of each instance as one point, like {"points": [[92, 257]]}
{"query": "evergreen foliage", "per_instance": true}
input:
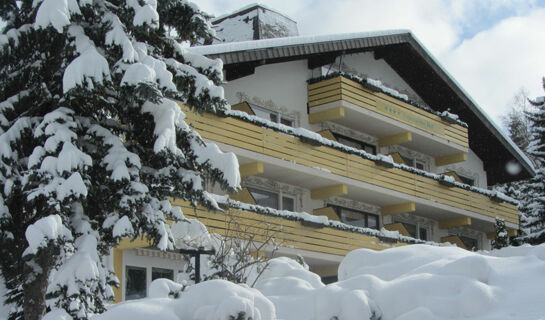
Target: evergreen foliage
{"points": [[501, 240], [92, 143], [533, 219]]}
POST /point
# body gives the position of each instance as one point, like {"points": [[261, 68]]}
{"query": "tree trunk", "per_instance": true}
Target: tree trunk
{"points": [[37, 272]]}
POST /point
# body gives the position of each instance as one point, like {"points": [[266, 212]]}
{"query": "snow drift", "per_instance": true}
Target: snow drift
{"points": [[411, 282]]}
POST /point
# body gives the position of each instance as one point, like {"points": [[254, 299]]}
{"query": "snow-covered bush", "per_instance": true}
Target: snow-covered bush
{"points": [[92, 141], [501, 239]]}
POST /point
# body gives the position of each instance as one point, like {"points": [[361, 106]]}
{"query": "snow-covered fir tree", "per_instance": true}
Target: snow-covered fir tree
{"points": [[501, 239], [92, 143], [533, 216]]}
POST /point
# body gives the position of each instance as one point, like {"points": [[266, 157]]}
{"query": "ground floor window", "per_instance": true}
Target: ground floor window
{"points": [[135, 283], [329, 279], [470, 243], [158, 273]]}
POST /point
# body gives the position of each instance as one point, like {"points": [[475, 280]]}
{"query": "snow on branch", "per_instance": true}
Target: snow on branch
{"points": [[88, 68], [145, 14], [202, 83], [197, 60], [225, 162], [56, 13], [12, 135], [42, 232], [168, 118], [118, 157], [118, 36]]}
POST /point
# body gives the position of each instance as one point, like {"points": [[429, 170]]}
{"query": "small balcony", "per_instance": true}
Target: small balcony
{"points": [[350, 104]]}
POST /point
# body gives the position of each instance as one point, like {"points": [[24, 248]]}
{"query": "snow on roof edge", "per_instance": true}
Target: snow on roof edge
{"points": [[249, 6], [477, 107], [289, 41]]}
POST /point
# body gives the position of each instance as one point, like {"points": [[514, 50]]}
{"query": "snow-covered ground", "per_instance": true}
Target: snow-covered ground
{"points": [[411, 282]]}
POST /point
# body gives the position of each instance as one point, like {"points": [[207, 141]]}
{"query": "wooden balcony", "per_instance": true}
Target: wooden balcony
{"points": [[383, 115], [243, 135], [243, 224]]}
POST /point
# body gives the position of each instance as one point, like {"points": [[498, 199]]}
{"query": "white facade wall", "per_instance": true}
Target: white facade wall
{"points": [[278, 87]]}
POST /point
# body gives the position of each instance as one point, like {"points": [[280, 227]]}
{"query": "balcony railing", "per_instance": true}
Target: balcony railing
{"points": [[242, 134], [343, 89], [243, 224]]}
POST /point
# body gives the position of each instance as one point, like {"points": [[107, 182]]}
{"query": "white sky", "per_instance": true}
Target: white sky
{"points": [[491, 47]]}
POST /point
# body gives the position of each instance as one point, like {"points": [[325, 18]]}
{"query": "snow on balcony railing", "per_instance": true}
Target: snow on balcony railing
{"points": [[317, 139], [382, 234], [377, 85]]}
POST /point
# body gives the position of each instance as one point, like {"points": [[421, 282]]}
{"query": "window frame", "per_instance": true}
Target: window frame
{"points": [[280, 197], [463, 237], [418, 226], [126, 278], [338, 209], [279, 115], [161, 270], [362, 143], [414, 162], [465, 179]]}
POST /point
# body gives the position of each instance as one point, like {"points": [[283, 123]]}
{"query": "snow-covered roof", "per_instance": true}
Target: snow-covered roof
{"points": [[249, 7], [290, 41], [404, 53], [253, 22]]}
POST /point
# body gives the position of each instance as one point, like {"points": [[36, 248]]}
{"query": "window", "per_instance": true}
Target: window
{"points": [[158, 273], [357, 218], [135, 283], [356, 144], [273, 116], [470, 243], [329, 279], [411, 162], [467, 180], [416, 230], [271, 199]]}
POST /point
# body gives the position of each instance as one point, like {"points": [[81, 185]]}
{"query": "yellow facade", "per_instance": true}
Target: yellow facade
{"points": [[251, 137]]}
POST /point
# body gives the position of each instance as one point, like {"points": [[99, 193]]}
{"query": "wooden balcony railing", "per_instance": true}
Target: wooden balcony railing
{"points": [[252, 137], [259, 227], [341, 88]]}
